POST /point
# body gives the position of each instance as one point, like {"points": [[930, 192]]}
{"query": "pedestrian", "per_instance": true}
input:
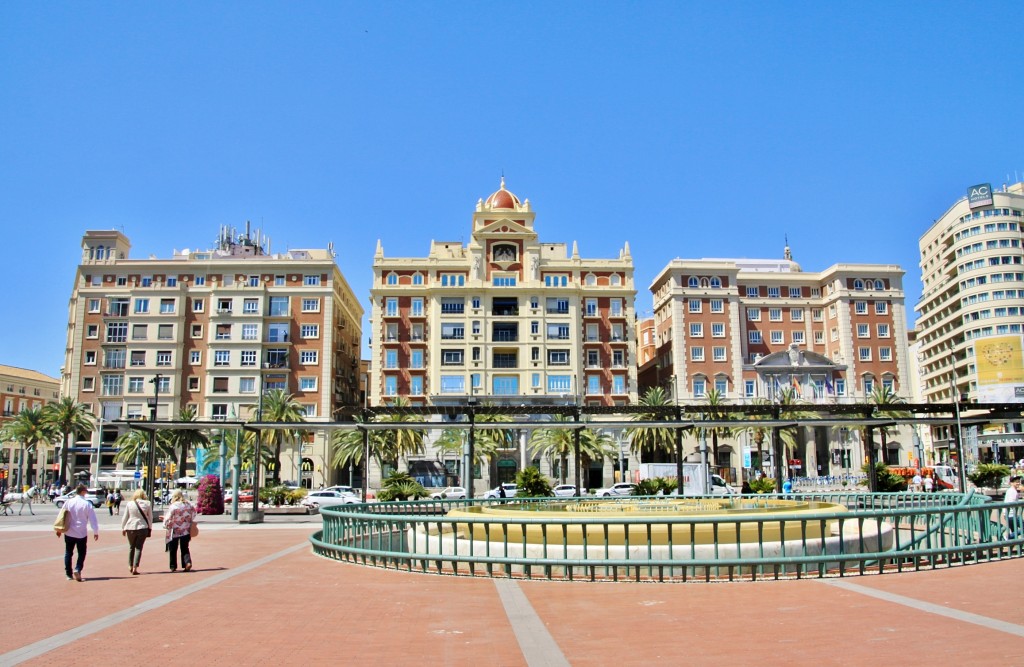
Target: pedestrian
{"points": [[137, 525], [1012, 513], [117, 501], [110, 503], [917, 482], [787, 486], [929, 483], [80, 516], [178, 523]]}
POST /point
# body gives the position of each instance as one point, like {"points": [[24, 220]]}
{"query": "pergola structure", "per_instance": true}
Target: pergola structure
{"points": [[680, 418]]}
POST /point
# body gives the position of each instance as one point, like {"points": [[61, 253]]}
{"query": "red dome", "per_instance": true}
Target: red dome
{"points": [[502, 199]]}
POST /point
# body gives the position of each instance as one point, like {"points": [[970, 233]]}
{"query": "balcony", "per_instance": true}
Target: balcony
{"points": [[505, 337]]}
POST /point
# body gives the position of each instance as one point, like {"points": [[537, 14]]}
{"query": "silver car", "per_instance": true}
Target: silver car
{"points": [[564, 491], [318, 499]]}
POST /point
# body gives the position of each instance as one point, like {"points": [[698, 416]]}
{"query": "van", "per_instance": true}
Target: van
{"points": [[945, 478]]}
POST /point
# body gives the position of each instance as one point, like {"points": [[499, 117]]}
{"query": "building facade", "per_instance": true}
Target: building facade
{"points": [[752, 330], [971, 313], [504, 319], [212, 329], [21, 389]]}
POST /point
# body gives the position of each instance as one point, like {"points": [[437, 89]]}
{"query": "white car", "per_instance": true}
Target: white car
{"points": [[564, 491], [620, 489], [326, 498], [510, 491], [450, 493]]}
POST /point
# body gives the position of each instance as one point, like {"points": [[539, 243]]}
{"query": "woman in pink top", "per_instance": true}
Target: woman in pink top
{"points": [[178, 523]]}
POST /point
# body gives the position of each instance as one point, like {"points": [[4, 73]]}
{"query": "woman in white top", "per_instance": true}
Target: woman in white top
{"points": [[137, 524]]}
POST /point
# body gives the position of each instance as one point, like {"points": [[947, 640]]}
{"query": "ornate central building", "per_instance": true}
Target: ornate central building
{"points": [[506, 318]]}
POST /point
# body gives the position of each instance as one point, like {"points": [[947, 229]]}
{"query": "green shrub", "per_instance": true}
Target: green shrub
{"points": [[531, 484], [401, 486], [654, 486], [275, 495], [989, 474], [762, 485], [888, 481]]}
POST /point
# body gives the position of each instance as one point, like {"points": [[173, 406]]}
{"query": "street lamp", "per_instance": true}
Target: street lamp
{"points": [[151, 480]]}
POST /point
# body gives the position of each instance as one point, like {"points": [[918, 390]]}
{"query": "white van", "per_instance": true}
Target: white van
{"points": [[945, 478]]}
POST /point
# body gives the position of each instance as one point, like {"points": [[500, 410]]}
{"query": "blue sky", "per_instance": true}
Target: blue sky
{"points": [[689, 129]]}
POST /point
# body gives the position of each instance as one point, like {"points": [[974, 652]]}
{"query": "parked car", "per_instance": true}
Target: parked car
{"points": [[564, 490], [510, 491], [620, 489], [95, 496], [450, 493], [244, 496], [318, 499]]}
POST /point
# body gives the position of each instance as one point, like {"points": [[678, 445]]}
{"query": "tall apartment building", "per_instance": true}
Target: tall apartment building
{"points": [[971, 312], [216, 327], [21, 389], [506, 318], [747, 328]]}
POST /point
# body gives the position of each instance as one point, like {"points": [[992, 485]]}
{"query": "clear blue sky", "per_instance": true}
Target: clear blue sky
{"points": [[690, 129]]}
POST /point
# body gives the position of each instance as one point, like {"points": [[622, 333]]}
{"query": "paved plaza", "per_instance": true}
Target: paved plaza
{"points": [[258, 594]]}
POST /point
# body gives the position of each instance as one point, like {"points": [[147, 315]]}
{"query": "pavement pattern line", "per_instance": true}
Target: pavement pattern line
{"points": [[36, 649], [60, 557], [931, 608], [538, 646]]}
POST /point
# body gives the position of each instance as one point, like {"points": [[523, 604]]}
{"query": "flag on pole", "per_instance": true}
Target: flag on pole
{"points": [[829, 387], [795, 384], [777, 387]]}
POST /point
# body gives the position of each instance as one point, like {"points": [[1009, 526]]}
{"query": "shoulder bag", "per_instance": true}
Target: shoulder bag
{"points": [[149, 528], [60, 525], [193, 529]]}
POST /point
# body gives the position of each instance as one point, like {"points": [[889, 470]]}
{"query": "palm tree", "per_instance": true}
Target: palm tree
{"points": [[651, 438], [280, 407], [133, 444], [30, 428], [68, 417], [789, 403], [486, 442], [714, 399], [884, 400], [183, 440], [560, 441], [386, 445]]}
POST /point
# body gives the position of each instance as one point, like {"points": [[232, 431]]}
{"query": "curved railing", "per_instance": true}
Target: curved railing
{"points": [[876, 533]]}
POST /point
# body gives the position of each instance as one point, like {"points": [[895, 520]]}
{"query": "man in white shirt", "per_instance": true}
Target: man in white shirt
{"points": [[1012, 518], [81, 515]]}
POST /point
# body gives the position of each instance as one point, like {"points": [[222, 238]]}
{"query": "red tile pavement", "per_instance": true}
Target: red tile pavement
{"points": [[299, 608]]}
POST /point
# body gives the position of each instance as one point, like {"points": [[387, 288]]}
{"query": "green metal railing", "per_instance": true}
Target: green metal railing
{"points": [[878, 533]]}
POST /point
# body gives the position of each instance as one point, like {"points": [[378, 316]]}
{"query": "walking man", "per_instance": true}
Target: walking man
{"points": [[81, 515]]}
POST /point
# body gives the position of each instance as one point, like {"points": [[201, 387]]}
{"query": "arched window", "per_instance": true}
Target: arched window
{"points": [[693, 282], [417, 279], [591, 279], [392, 279], [716, 282], [616, 280], [100, 252], [858, 284], [879, 285]]}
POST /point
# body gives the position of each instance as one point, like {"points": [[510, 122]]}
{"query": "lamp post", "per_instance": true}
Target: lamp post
{"points": [[151, 478], [954, 395], [470, 443]]}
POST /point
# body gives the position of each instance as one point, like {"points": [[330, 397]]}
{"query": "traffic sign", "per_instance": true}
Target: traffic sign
{"points": [[138, 474]]}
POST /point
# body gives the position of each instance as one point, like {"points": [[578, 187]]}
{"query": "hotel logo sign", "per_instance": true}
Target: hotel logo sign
{"points": [[979, 195]]}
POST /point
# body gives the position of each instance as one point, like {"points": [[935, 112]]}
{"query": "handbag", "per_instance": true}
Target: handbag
{"points": [[60, 525], [149, 528], [193, 529]]}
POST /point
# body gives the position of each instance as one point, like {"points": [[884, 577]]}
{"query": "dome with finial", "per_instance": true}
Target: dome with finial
{"points": [[502, 199]]}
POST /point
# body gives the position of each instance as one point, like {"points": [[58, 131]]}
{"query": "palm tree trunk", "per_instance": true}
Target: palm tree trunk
{"points": [[64, 459], [714, 448], [183, 461], [563, 464], [21, 468]]}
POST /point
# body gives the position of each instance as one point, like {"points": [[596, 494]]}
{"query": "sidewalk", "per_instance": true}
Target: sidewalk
{"points": [[258, 593]]}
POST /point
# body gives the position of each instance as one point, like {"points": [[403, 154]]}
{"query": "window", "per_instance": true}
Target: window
{"points": [[716, 282], [718, 354], [795, 293], [888, 383], [310, 330], [753, 292], [591, 307], [223, 305], [200, 281], [452, 280], [390, 385], [139, 332], [392, 279], [559, 384], [391, 359], [221, 358], [88, 384], [94, 305], [696, 353], [250, 332], [453, 384], [718, 329], [248, 357], [417, 307], [560, 306], [860, 307], [136, 385], [832, 311], [774, 292], [753, 314], [197, 330], [112, 385], [617, 332], [278, 281], [417, 279], [863, 331], [796, 315], [819, 337], [699, 387], [452, 357], [141, 306], [869, 385], [558, 357], [722, 386], [390, 307], [166, 306], [223, 332], [618, 384], [694, 305], [618, 358], [220, 385], [754, 337], [834, 333], [503, 281], [615, 306], [416, 359], [555, 332], [117, 332], [313, 305], [309, 357], [693, 282], [883, 330], [475, 302], [453, 331], [749, 388], [310, 281], [307, 383], [593, 359], [165, 332], [277, 332], [858, 285], [114, 358], [90, 360], [717, 306], [195, 357], [774, 314], [555, 280], [696, 330], [816, 314], [885, 354], [798, 337], [278, 306], [864, 353], [776, 337], [449, 306], [593, 384], [505, 385], [840, 387], [251, 306], [247, 385], [416, 385], [881, 307]]}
